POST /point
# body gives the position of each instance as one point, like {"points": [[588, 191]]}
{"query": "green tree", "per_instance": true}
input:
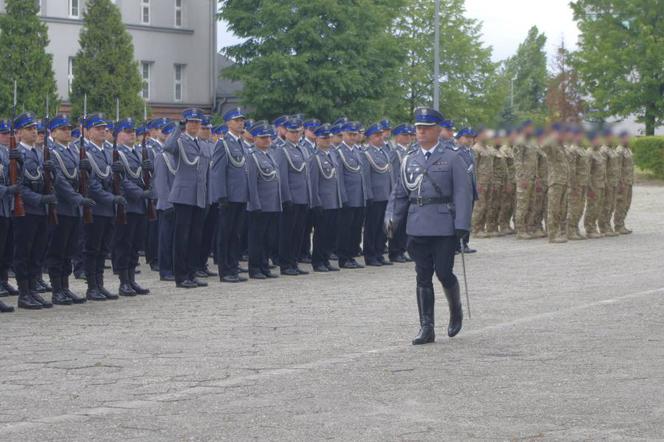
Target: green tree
{"points": [[23, 40], [471, 91], [527, 69], [323, 58], [620, 58], [104, 67]]}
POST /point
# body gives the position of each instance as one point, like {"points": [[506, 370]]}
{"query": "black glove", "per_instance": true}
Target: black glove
{"points": [[223, 202], [85, 165], [49, 166], [117, 167], [460, 233], [48, 199], [286, 204], [88, 203], [147, 165], [119, 200], [14, 189], [389, 229], [14, 154]]}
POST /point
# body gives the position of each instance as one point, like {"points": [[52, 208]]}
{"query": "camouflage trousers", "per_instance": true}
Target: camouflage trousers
{"points": [[556, 209], [481, 209], [493, 212], [538, 208], [595, 200], [524, 196], [576, 200], [507, 204], [608, 206], [623, 203]]}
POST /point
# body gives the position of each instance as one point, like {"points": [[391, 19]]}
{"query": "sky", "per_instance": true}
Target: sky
{"points": [[505, 24]]}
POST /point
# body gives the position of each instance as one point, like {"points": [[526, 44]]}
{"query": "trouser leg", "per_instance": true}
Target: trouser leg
{"points": [[166, 235]]}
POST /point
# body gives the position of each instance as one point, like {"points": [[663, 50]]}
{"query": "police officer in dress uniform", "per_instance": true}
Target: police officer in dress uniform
{"points": [[281, 131], [435, 191], [211, 211], [7, 192], [296, 199], [463, 147], [265, 199], [129, 236], [165, 168], [189, 196], [155, 145], [327, 195], [308, 147], [397, 244], [380, 179], [64, 240]]}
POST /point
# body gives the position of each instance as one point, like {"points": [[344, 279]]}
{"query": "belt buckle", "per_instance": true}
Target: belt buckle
{"points": [[419, 201]]}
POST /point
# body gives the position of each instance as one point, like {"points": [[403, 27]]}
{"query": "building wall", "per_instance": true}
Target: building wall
{"points": [[160, 42]]}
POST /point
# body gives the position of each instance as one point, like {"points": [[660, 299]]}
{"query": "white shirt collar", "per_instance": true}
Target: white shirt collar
{"points": [[432, 149], [28, 146], [348, 146], [156, 141], [190, 137]]}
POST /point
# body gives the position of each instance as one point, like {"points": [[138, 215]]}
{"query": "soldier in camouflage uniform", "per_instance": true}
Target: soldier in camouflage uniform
{"points": [[579, 159], [539, 196], [508, 198], [483, 157], [624, 191], [498, 184], [557, 181], [596, 186], [613, 164], [525, 167]]}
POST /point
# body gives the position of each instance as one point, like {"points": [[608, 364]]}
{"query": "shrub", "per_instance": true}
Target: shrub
{"points": [[649, 154]]}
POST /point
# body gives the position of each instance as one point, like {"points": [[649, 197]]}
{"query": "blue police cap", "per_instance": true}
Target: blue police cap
{"points": [[351, 126], [298, 116], [110, 125], [607, 132], [262, 129], [206, 121], [234, 114], [527, 123], [220, 130], [76, 132], [40, 126], [94, 120], [4, 126], [465, 132], [158, 123], [425, 116], [293, 124], [140, 130], [558, 127], [623, 134], [323, 131], [248, 124], [169, 128], [24, 120], [593, 134], [374, 129], [447, 124], [192, 114], [385, 124], [312, 124], [126, 124], [279, 121], [341, 121], [58, 121], [335, 129], [401, 129]]}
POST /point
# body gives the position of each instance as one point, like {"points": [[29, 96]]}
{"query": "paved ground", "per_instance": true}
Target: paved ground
{"points": [[566, 342]]}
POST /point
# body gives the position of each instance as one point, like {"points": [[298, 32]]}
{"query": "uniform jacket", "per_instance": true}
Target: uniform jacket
{"points": [[445, 168], [467, 156], [308, 147], [190, 185], [165, 168], [66, 159], [265, 184], [380, 172], [613, 165], [396, 157], [626, 165], [6, 199], [132, 184], [326, 181], [293, 167], [101, 180], [228, 171], [557, 162], [32, 180], [355, 175], [525, 160]]}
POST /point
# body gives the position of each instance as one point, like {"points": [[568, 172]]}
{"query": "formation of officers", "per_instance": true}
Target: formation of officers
{"points": [[544, 183]]}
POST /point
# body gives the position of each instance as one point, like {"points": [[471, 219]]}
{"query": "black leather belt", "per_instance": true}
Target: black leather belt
{"points": [[427, 201]]}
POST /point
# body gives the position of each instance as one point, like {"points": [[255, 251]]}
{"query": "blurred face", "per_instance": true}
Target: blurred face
{"points": [[336, 139], [376, 140], [4, 139], [204, 133], [386, 134], [263, 143], [192, 128], [309, 134], [236, 126], [427, 136], [528, 131], [62, 135], [98, 134], [624, 140], [281, 131], [402, 139], [127, 137], [40, 137], [293, 136], [108, 135], [28, 135], [323, 142], [349, 137]]}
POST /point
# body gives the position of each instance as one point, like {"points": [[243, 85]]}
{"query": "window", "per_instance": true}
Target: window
{"points": [[179, 81], [75, 8], [145, 12], [70, 73], [146, 68], [178, 13]]}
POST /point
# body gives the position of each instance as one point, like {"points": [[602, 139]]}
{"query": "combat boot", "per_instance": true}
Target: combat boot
{"points": [[558, 240], [453, 296], [611, 232], [34, 292], [125, 286], [102, 290], [93, 293], [25, 299], [58, 297], [134, 285], [593, 234], [623, 230], [41, 286], [539, 232], [4, 284], [425, 306], [481, 234], [69, 294], [523, 235], [4, 308]]}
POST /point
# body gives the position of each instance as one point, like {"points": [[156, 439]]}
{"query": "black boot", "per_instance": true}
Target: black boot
{"points": [[3, 290], [453, 296], [125, 286], [5, 286], [425, 303], [42, 286], [12, 291], [34, 292], [102, 290], [4, 308], [134, 285], [59, 297], [93, 293], [69, 294], [25, 299]]}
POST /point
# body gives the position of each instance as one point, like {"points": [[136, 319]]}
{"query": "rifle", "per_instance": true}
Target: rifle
{"points": [[19, 209], [121, 212], [48, 178], [147, 175], [83, 174]]}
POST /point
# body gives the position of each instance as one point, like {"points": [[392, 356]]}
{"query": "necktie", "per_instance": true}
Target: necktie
{"points": [[428, 155]]}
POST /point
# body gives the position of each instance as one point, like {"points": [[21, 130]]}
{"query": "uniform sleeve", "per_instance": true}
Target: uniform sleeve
{"points": [[314, 177], [29, 196], [171, 144], [397, 205], [462, 194], [365, 169], [254, 202], [218, 172], [283, 173], [160, 178], [63, 188]]}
